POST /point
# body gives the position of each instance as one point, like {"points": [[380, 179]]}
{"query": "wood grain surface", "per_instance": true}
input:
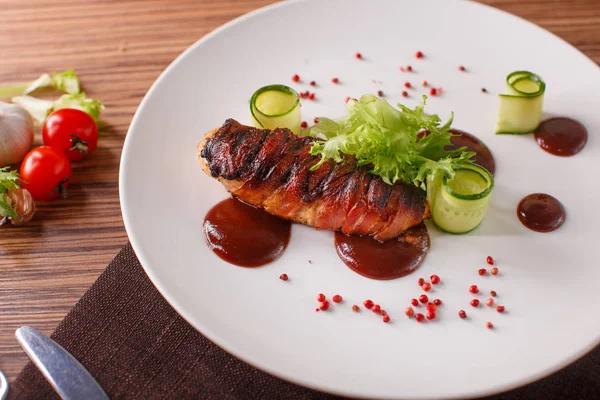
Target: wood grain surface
{"points": [[119, 48]]}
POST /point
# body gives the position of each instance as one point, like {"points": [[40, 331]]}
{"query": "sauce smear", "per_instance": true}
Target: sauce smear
{"points": [[483, 155], [541, 212], [243, 235], [561, 136], [390, 260]]}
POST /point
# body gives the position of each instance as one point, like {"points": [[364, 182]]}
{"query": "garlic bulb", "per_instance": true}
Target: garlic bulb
{"points": [[16, 133], [22, 202]]}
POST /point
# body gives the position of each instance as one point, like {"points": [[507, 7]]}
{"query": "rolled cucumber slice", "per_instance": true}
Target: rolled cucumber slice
{"points": [[520, 108], [458, 205], [276, 106]]}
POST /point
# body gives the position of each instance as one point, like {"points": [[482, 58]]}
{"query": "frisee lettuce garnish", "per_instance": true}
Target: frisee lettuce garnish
{"points": [[387, 139]]}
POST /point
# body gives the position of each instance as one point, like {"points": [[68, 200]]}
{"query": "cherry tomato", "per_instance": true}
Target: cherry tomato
{"points": [[46, 173], [72, 131]]}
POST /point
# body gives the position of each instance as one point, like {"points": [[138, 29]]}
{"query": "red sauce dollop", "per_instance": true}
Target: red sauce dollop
{"points": [[483, 155], [243, 235], [390, 260], [561, 136], [541, 212]]}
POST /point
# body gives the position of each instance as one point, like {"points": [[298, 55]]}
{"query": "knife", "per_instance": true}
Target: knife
{"points": [[66, 375]]}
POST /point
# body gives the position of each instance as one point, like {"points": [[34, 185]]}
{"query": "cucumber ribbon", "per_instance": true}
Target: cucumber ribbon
{"points": [[520, 108], [276, 106], [458, 205]]}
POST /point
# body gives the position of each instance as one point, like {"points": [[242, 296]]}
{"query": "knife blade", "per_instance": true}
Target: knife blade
{"points": [[66, 375]]}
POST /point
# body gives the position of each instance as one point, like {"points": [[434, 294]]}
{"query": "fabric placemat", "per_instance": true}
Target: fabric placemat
{"points": [[137, 347]]}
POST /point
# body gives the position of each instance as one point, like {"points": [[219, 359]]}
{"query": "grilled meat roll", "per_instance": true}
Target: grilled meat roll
{"points": [[271, 170]]}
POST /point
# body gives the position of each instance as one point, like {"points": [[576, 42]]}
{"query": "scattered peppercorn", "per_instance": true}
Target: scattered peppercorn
{"points": [[304, 125], [355, 308], [484, 90], [432, 91], [475, 302], [337, 298], [494, 271], [409, 68], [493, 293], [409, 311], [324, 305], [473, 289], [431, 307], [434, 279], [437, 302], [461, 68], [368, 303], [500, 309], [335, 80], [462, 314], [283, 277], [311, 96], [376, 308], [313, 83], [427, 286], [316, 120], [482, 271], [321, 297], [419, 317], [424, 83], [414, 302], [431, 315], [407, 85], [489, 325], [423, 298], [386, 318], [296, 78], [489, 260], [419, 54], [489, 302], [358, 56], [420, 281], [380, 93], [404, 93]]}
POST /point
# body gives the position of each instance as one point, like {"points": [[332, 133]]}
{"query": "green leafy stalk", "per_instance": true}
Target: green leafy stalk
{"points": [[65, 81], [390, 141], [40, 109], [8, 180]]}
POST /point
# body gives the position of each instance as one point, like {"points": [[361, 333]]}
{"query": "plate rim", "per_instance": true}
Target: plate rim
{"points": [[233, 349]]}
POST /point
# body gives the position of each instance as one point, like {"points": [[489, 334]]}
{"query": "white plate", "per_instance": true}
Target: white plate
{"points": [[548, 282]]}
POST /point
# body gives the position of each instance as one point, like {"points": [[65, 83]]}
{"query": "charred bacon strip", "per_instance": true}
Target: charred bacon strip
{"points": [[271, 170]]}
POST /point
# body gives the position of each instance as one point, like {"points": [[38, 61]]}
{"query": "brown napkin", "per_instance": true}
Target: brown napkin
{"points": [[137, 347]]}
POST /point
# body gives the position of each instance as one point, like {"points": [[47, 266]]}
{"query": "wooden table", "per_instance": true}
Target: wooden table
{"points": [[119, 48]]}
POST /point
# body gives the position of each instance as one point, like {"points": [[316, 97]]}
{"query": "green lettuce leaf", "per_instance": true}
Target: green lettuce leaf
{"points": [[81, 102], [8, 180], [387, 139], [66, 81]]}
